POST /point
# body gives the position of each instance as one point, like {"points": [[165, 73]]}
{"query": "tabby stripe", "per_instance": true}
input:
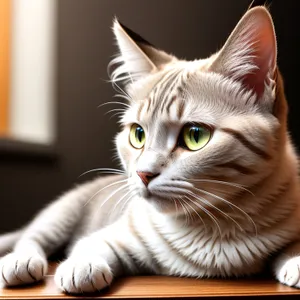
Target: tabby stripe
{"points": [[158, 85], [243, 140], [142, 241], [164, 89], [280, 192], [149, 104], [181, 88], [165, 103], [140, 110], [170, 103], [180, 109], [237, 167]]}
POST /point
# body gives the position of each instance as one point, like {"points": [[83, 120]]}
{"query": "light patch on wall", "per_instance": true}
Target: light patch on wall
{"points": [[5, 13], [32, 89]]}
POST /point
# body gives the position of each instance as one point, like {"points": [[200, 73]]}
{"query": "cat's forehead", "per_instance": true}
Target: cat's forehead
{"points": [[186, 93]]}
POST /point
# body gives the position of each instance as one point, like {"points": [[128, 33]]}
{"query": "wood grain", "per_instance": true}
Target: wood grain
{"points": [[160, 287], [4, 64]]}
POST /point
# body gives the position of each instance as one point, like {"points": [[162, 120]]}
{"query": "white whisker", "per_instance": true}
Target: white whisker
{"points": [[104, 170], [120, 200], [107, 186], [217, 209], [239, 186], [115, 102], [194, 211], [208, 213], [114, 192], [230, 204], [126, 201]]}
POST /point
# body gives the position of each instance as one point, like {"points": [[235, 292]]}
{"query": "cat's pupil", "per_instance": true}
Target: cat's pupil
{"points": [[195, 134], [139, 133]]}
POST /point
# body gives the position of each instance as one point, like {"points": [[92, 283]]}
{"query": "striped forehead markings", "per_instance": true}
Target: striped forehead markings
{"points": [[165, 93], [178, 97], [159, 84], [163, 90]]}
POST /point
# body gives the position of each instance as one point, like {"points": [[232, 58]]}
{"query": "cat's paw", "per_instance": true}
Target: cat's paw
{"points": [[83, 275], [19, 269], [289, 272]]}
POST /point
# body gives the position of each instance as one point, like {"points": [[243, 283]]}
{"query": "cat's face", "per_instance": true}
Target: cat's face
{"points": [[198, 132]]}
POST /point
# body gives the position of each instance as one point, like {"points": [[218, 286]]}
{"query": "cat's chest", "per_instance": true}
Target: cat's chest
{"points": [[201, 252]]}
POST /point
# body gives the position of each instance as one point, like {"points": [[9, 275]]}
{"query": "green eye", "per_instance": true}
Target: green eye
{"points": [[196, 137], [137, 136]]}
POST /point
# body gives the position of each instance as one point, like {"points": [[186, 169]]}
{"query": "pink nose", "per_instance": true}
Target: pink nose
{"points": [[146, 177]]}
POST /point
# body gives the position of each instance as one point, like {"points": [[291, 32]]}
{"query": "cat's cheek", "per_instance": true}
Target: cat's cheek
{"points": [[124, 150]]}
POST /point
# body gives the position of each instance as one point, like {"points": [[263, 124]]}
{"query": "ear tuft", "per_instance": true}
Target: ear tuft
{"points": [[249, 54], [137, 56]]}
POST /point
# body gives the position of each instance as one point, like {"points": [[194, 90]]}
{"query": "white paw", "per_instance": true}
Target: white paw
{"points": [[18, 269], [289, 273], [83, 275]]}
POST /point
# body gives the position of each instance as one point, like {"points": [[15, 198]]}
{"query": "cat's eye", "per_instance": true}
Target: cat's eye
{"points": [[195, 136], [137, 136]]}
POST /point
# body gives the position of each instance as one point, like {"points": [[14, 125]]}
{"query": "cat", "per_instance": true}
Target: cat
{"points": [[210, 184]]}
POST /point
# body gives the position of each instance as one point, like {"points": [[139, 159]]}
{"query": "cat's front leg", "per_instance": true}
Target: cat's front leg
{"points": [[287, 266], [26, 264], [94, 261]]}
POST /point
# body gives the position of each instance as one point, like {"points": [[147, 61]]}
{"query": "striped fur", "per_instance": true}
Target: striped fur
{"points": [[224, 210]]}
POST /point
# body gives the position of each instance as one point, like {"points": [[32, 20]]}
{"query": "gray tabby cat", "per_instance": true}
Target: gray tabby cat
{"points": [[210, 187]]}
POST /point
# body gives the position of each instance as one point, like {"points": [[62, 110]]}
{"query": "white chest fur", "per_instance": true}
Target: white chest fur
{"points": [[200, 251]]}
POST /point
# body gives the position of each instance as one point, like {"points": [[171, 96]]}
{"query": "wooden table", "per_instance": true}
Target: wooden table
{"points": [[162, 287]]}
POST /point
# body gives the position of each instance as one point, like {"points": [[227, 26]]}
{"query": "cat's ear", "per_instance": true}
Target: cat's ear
{"points": [[249, 55], [137, 56]]}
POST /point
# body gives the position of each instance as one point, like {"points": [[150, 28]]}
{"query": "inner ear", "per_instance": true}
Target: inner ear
{"points": [[249, 54]]}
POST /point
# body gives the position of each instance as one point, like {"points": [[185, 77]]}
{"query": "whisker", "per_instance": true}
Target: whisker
{"points": [[115, 110], [188, 211], [113, 193], [194, 211], [127, 98], [104, 170], [126, 201], [230, 204], [185, 213], [114, 102], [117, 115], [176, 206], [208, 213], [119, 89], [107, 186], [239, 186], [120, 200], [217, 209]]}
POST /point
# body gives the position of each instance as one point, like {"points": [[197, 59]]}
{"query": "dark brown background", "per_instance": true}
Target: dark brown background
{"points": [[189, 29]]}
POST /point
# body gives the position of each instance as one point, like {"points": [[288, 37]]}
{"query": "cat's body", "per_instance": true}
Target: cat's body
{"points": [[211, 184]]}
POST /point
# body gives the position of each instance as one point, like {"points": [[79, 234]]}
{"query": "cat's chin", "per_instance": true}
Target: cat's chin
{"points": [[161, 203]]}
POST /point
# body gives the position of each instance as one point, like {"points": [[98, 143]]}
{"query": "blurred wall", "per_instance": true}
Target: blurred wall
{"points": [[189, 29]]}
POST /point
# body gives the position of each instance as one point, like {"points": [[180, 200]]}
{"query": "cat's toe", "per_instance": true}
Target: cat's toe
{"points": [[19, 269], [289, 272], [83, 275]]}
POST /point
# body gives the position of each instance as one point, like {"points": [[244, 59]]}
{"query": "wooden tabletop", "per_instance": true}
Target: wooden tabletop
{"points": [[160, 287]]}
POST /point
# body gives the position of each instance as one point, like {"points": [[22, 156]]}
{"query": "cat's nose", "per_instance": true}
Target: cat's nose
{"points": [[146, 176]]}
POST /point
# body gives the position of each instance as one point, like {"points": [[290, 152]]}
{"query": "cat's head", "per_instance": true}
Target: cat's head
{"points": [[197, 131]]}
